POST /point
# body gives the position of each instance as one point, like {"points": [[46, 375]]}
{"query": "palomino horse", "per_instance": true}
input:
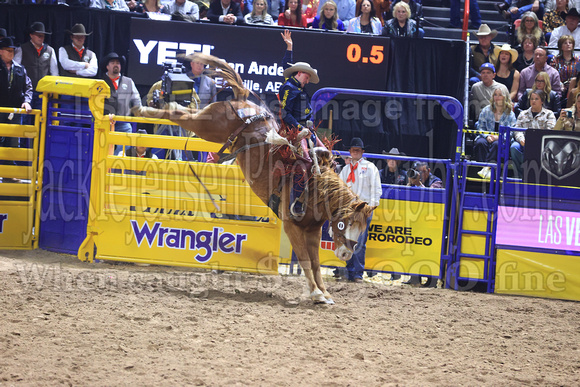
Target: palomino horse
{"points": [[328, 197]]}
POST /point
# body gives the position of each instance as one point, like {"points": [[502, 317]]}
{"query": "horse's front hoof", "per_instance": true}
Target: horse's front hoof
{"points": [[318, 297], [329, 301]]}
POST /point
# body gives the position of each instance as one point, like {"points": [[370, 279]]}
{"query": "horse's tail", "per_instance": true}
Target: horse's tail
{"points": [[230, 76]]}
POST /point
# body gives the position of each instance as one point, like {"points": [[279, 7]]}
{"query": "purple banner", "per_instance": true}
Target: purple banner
{"points": [[538, 228]]}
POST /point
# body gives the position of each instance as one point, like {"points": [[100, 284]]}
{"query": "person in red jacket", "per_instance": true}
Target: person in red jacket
{"points": [[292, 15]]}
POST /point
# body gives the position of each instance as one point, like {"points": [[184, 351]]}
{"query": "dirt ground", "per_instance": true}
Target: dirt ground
{"points": [[64, 322]]}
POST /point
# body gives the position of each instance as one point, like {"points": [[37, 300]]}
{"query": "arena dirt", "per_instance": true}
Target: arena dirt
{"points": [[64, 322]]}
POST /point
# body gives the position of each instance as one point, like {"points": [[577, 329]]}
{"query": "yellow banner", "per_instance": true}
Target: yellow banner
{"points": [[404, 237], [219, 244], [16, 225], [538, 274]]}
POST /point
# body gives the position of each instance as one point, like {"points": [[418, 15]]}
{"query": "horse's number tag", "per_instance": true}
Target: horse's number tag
{"points": [[340, 226]]}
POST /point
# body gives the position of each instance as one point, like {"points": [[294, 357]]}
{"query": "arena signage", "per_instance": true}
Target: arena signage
{"points": [[404, 237], [205, 242], [3, 217], [538, 228], [348, 60], [396, 235]]}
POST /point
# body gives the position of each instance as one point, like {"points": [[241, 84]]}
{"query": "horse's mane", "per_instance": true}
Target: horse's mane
{"points": [[230, 76], [334, 193]]}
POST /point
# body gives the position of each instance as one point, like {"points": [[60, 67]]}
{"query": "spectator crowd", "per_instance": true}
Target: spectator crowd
{"points": [[539, 64], [529, 83]]}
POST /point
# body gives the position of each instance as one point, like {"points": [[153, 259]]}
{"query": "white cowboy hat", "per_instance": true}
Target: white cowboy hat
{"points": [[305, 68], [484, 30], [506, 47]]}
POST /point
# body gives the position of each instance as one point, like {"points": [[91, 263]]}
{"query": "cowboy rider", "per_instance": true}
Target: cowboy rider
{"points": [[295, 105], [296, 109]]}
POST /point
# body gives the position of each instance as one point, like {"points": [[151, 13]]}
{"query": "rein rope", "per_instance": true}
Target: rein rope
{"points": [[245, 123], [201, 182]]}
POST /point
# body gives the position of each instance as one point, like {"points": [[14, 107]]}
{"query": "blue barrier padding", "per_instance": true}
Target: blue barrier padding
{"points": [[532, 191], [413, 194], [537, 250], [66, 185], [479, 201]]}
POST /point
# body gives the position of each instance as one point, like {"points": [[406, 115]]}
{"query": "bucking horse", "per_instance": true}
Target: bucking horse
{"points": [[251, 133]]}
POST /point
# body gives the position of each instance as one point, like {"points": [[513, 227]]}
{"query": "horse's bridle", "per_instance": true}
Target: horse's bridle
{"points": [[348, 243]]}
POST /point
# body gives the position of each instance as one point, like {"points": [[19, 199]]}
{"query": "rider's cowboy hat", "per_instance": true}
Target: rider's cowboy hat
{"points": [[38, 28], [484, 30], [305, 68], [507, 48], [78, 30]]}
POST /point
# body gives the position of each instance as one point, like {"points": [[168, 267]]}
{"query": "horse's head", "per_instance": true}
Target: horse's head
{"points": [[347, 225]]}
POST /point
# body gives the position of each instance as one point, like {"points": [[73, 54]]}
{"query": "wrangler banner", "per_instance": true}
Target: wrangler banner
{"points": [[224, 245]]}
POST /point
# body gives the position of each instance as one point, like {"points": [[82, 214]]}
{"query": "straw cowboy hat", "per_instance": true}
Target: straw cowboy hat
{"points": [[38, 28], [394, 152], [305, 68], [484, 30], [507, 48], [78, 30]]}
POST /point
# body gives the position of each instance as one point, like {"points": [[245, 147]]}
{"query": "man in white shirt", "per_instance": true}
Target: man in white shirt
{"points": [[39, 59], [363, 178], [75, 59], [570, 27], [184, 7]]}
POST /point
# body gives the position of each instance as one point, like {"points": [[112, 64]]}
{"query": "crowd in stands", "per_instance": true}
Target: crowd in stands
{"points": [[529, 83], [38, 59], [399, 18], [539, 63]]}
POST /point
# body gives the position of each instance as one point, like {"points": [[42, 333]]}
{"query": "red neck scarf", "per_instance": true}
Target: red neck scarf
{"points": [[116, 82], [80, 52], [352, 175]]}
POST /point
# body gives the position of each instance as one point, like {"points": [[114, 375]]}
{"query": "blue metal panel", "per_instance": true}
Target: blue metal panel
{"points": [[451, 105], [67, 179]]}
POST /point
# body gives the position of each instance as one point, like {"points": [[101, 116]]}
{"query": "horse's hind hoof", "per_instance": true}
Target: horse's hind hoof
{"points": [[329, 301]]}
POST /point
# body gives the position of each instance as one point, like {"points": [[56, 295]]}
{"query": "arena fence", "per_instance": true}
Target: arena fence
{"points": [[538, 233], [408, 232], [512, 237], [19, 201], [155, 211]]}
